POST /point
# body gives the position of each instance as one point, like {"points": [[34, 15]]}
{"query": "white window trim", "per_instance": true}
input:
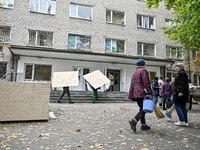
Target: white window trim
{"points": [[111, 44], [112, 16], [34, 71], [39, 8], [77, 10], [154, 22], [143, 48], [169, 46], [34, 29]]}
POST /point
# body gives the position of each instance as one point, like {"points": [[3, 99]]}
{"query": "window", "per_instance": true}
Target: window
{"points": [[81, 11], [37, 72], [43, 6], [174, 52], [115, 17], [115, 46], [152, 75], [145, 49], [171, 75], [40, 38], [145, 22], [80, 42], [196, 80], [168, 23], [5, 34], [3, 68], [7, 3]]}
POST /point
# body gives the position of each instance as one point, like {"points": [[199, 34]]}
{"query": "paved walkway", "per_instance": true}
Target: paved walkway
{"points": [[100, 126]]}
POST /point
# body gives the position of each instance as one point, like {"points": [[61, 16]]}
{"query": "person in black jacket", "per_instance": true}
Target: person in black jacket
{"points": [[180, 92]]}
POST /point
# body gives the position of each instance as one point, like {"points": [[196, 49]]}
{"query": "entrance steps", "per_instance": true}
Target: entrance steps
{"points": [[86, 97]]}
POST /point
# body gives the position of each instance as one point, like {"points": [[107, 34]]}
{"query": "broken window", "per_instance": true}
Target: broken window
{"points": [[115, 17], [145, 49], [40, 38], [115, 46], [80, 42], [5, 34], [3, 68]]}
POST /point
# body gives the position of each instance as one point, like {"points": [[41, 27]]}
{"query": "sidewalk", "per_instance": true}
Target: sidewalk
{"points": [[100, 126]]}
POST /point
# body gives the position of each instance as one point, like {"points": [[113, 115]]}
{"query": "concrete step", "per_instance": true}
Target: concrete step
{"points": [[86, 96]]}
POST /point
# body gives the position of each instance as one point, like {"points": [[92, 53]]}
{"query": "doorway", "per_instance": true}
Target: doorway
{"points": [[81, 72], [116, 74]]}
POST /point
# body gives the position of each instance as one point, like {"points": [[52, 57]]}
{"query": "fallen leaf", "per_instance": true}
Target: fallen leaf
{"points": [[79, 130]]}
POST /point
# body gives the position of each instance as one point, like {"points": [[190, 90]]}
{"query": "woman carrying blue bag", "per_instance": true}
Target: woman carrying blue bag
{"points": [[139, 81]]}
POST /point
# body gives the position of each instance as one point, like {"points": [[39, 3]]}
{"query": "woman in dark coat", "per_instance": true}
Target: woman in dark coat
{"points": [[180, 92], [139, 81]]}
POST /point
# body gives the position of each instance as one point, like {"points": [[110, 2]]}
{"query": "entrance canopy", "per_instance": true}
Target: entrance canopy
{"points": [[82, 55]]}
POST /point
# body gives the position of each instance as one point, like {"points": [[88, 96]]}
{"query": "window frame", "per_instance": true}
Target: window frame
{"points": [[38, 11], [77, 4], [142, 22], [143, 49], [111, 39], [36, 36], [169, 47], [33, 72], [111, 11], [85, 36], [5, 26], [9, 7]]}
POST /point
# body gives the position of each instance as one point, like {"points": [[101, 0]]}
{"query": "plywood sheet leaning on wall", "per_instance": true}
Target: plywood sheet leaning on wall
{"points": [[62, 79], [96, 78], [21, 101]]}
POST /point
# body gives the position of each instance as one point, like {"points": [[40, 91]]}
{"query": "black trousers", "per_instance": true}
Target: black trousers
{"points": [[65, 90], [141, 114], [110, 88], [190, 102]]}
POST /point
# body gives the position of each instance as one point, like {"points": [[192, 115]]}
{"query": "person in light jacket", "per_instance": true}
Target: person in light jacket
{"points": [[139, 81], [111, 78]]}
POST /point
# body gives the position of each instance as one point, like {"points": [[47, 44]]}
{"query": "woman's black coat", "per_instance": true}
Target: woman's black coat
{"points": [[181, 86]]}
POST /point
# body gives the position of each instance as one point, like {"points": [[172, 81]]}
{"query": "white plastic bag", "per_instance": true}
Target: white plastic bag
{"points": [[107, 85]]}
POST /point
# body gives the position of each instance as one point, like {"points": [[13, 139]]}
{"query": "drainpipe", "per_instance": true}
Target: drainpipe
{"points": [[189, 64]]}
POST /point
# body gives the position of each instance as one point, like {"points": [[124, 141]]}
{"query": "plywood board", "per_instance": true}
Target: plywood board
{"points": [[22, 101], [96, 78], [62, 79]]}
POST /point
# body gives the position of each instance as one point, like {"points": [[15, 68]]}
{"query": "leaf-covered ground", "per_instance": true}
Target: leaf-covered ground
{"points": [[100, 126]]}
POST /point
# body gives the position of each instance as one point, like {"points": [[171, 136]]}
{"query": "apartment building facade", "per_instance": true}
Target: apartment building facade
{"points": [[49, 36]]}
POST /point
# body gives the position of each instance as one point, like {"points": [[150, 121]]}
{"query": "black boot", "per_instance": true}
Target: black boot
{"points": [[145, 127], [59, 101], [133, 124], [70, 102]]}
